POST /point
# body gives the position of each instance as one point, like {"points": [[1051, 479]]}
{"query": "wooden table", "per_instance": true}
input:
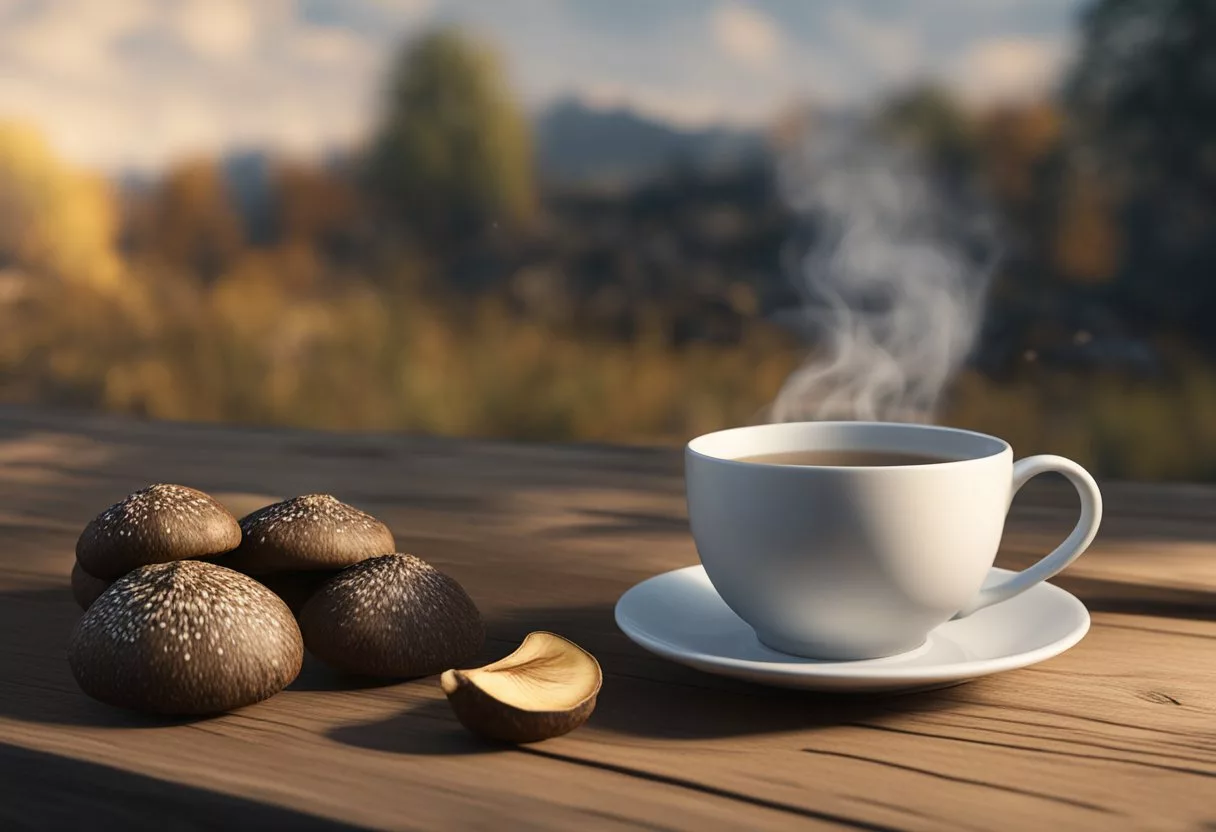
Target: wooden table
{"points": [[1118, 733]]}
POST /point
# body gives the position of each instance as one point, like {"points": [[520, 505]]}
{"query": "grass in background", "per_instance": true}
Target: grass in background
{"points": [[1137, 429], [250, 349], [254, 348]]}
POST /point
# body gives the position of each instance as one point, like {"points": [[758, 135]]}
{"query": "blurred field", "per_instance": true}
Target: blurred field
{"points": [[1126, 428], [250, 350]]}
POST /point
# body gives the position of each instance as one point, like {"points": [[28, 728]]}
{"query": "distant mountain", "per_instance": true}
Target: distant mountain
{"points": [[574, 144], [577, 143]]}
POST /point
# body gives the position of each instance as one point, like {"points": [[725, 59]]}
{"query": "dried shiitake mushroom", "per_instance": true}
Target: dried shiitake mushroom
{"points": [[185, 637], [312, 532], [546, 688], [158, 524], [392, 616]]}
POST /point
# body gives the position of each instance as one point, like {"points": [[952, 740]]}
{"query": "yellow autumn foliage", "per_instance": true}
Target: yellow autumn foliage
{"points": [[55, 222]]}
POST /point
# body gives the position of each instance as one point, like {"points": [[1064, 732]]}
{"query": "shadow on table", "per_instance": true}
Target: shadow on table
{"points": [[643, 696], [429, 729], [47, 791], [648, 697], [315, 676], [1138, 599]]}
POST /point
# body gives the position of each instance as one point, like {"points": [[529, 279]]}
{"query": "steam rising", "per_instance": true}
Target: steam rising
{"points": [[893, 282]]}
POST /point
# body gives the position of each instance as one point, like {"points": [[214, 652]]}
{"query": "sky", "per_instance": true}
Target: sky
{"points": [[134, 84]]}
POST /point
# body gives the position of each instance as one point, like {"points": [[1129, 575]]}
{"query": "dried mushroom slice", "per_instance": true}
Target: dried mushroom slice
{"points": [[546, 688]]}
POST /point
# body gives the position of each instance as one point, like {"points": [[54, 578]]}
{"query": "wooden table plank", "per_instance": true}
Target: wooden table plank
{"points": [[1118, 733]]}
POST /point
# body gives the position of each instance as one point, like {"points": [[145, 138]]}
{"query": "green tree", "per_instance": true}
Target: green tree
{"points": [[452, 154]]}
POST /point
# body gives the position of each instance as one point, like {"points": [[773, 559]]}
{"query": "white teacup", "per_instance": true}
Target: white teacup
{"points": [[858, 562]]}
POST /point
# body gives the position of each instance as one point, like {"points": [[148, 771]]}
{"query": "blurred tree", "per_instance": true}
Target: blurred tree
{"points": [[1018, 145], [1061, 235], [54, 221], [928, 119], [1021, 161], [313, 206], [1087, 245], [1058, 229], [1144, 92], [190, 221], [452, 154]]}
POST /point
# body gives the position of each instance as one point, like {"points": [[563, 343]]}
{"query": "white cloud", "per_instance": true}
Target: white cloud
{"points": [[889, 50], [137, 83], [73, 38], [325, 45], [745, 34], [409, 8], [1009, 69], [215, 29]]}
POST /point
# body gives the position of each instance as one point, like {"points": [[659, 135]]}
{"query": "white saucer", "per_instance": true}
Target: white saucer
{"points": [[678, 615]]}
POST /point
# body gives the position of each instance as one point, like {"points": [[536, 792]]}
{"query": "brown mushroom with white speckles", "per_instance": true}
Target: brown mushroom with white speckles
{"points": [[158, 524], [312, 532], [393, 616], [185, 638], [85, 588]]}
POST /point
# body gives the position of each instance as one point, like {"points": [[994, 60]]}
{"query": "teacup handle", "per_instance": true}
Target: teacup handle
{"points": [[1064, 554]]}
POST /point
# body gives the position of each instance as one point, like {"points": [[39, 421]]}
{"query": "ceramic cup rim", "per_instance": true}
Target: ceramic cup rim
{"points": [[992, 446]]}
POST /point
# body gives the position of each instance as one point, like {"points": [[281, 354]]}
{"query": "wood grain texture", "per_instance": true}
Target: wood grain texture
{"points": [[1118, 733]]}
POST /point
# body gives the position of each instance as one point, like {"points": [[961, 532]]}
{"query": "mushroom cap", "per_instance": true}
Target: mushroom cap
{"points": [[157, 524], [185, 638], [546, 688], [85, 588], [394, 616], [312, 532]]}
